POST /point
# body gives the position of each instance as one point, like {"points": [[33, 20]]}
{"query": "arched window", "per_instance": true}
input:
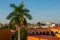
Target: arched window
{"points": [[47, 33], [37, 33], [33, 33], [52, 33], [56, 32], [40, 33], [44, 33]]}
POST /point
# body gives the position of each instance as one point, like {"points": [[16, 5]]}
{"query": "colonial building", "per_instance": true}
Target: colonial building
{"points": [[43, 33]]}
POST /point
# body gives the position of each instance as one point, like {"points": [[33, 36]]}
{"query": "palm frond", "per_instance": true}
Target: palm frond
{"points": [[21, 5], [10, 15], [14, 20], [13, 6], [28, 16], [25, 10], [21, 19], [19, 14]]}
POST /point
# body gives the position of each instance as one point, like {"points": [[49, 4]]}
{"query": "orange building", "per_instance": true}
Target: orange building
{"points": [[41, 34], [42, 37]]}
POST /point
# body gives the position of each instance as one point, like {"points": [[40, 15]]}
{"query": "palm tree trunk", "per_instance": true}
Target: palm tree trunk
{"points": [[18, 33]]}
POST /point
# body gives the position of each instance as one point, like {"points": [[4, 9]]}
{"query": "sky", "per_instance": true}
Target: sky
{"points": [[41, 10]]}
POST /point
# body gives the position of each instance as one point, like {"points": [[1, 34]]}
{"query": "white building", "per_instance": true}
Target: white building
{"points": [[50, 24], [45, 26]]}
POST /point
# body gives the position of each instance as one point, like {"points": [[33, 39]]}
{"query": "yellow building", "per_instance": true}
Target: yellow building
{"points": [[38, 33], [56, 31]]}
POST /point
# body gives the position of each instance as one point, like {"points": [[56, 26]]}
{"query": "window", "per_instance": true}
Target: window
{"points": [[37, 33], [52, 33], [56, 32], [33, 33], [47, 33], [40, 33], [44, 33]]}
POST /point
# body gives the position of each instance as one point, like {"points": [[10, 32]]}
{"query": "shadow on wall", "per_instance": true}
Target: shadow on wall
{"points": [[5, 34]]}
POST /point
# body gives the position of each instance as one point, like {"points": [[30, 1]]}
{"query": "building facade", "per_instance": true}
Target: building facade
{"points": [[41, 34]]}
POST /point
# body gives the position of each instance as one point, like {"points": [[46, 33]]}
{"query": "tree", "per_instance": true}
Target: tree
{"points": [[18, 16], [40, 24], [23, 34]]}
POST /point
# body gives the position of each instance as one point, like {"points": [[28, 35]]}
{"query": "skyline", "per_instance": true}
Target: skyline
{"points": [[41, 10]]}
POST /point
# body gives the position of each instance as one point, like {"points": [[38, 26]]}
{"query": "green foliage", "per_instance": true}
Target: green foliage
{"points": [[19, 14], [16, 35], [39, 23], [11, 25], [23, 34]]}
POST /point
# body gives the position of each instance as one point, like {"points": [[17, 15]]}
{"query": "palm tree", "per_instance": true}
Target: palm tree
{"points": [[19, 16]]}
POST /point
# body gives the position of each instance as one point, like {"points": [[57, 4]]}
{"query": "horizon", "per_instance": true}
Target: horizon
{"points": [[41, 10]]}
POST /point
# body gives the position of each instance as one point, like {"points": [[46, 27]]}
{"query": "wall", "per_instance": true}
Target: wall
{"points": [[5, 34], [41, 38]]}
